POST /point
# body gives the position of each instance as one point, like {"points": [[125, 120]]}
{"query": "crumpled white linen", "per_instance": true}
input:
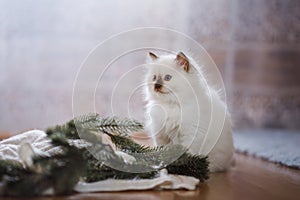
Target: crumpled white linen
{"points": [[164, 181], [22, 146]]}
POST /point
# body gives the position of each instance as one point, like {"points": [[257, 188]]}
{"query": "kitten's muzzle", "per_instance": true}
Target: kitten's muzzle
{"points": [[157, 86]]}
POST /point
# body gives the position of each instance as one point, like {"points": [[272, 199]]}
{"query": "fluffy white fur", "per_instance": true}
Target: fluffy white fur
{"points": [[186, 111]]}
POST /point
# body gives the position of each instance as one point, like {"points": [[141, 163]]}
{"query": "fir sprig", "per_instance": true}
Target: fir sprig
{"points": [[56, 173], [60, 172], [190, 165], [108, 125]]}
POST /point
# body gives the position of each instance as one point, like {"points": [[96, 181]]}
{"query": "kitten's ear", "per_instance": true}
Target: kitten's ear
{"points": [[153, 56], [183, 61]]}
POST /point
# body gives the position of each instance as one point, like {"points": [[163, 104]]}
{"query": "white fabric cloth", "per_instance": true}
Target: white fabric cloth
{"points": [[164, 181], [21, 147]]}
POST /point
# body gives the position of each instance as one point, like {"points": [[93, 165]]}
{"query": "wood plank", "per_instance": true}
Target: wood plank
{"points": [[251, 178]]}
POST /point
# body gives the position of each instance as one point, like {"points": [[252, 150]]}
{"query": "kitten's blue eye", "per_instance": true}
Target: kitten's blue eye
{"points": [[154, 78], [168, 77]]}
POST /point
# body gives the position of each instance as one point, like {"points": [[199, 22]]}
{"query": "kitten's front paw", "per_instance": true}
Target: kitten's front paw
{"points": [[126, 157]]}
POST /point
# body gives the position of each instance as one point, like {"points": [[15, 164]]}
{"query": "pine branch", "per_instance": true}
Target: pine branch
{"points": [[69, 130], [160, 157], [190, 165], [100, 153], [127, 145], [97, 171], [11, 168], [57, 172], [153, 158], [113, 125]]}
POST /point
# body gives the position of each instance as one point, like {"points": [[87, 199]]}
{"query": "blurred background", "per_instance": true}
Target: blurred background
{"points": [[255, 44]]}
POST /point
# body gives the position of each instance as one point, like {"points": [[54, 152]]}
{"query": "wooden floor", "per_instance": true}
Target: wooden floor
{"points": [[251, 178]]}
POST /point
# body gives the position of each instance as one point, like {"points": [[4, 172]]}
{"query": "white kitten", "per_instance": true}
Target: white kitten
{"points": [[182, 109]]}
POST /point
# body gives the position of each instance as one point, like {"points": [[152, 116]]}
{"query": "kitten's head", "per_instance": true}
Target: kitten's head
{"points": [[168, 76]]}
